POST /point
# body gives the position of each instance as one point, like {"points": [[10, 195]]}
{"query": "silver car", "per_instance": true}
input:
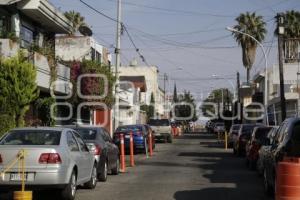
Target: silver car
{"points": [[57, 158]]}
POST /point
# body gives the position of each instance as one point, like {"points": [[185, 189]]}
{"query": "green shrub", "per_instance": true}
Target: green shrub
{"points": [[7, 122]]}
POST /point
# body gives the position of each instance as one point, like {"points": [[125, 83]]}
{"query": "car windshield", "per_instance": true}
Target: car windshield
{"points": [[247, 129], [159, 122], [235, 127], [31, 137], [129, 128], [87, 134]]}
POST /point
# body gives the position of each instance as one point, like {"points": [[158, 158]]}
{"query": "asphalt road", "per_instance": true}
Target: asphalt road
{"points": [[194, 167]]}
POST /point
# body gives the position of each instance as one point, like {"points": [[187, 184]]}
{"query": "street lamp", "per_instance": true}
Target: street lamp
{"points": [[266, 66]]}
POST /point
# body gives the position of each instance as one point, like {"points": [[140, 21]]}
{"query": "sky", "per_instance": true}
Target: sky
{"points": [[186, 39]]}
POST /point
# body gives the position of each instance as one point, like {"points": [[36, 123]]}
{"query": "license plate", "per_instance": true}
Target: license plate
{"points": [[18, 177], [127, 136]]}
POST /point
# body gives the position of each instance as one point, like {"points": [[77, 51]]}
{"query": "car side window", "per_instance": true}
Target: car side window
{"points": [[279, 133], [106, 136], [72, 143], [81, 143]]}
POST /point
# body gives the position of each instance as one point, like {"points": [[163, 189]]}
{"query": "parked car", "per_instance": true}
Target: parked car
{"points": [[56, 158], [233, 134], [162, 129], [140, 137], [258, 139], [264, 149], [219, 127], [286, 143], [245, 131], [100, 143]]}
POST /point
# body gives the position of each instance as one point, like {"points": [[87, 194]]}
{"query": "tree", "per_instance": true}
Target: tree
{"points": [[92, 86], [216, 96], [292, 24], [253, 25], [76, 19], [18, 87], [149, 109], [186, 107]]}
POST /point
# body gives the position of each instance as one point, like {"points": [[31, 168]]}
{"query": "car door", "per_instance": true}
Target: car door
{"points": [[75, 154], [110, 148], [86, 158]]}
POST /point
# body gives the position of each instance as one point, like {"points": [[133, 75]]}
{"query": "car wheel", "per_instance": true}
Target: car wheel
{"points": [[170, 139], [116, 170], [68, 193], [267, 187], [91, 184], [102, 175]]}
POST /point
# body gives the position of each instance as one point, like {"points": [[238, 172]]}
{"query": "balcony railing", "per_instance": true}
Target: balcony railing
{"points": [[292, 50]]}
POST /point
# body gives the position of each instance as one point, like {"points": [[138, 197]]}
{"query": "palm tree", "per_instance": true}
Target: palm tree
{"points": [[253, 25], [292, 28], [76, 19]]}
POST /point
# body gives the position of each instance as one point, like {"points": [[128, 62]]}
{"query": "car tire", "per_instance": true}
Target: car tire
{"points": [[102, 175], [68, 193], [169, 139], [116, 170], [91, 184]]}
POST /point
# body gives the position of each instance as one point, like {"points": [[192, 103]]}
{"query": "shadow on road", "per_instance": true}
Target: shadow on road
{"points": [[228, 177]]}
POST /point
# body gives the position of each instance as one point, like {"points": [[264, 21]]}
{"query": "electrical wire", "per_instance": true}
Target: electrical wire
{"points": [[122, 25]]}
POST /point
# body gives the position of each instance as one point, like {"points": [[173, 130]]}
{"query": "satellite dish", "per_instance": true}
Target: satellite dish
{"points": [[85, 30]]}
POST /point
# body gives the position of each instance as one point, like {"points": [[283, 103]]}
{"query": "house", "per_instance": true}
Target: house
{"points": [[79, 48], [31, 26], [131, 88], [151, 74]]}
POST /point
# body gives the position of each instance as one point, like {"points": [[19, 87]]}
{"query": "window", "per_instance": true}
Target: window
{"points": [[26, 37], [98, 57], [72, 144], [81, 143], [106, 136], [32, 137]]}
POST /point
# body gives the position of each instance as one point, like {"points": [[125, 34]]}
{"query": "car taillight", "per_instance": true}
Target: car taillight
{"points": [[98, 150], [50, 158], [1, 159]]}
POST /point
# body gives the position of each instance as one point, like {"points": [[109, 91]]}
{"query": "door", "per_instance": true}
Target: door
{"points": [[87, 159], [75, 153], [110, 148]]}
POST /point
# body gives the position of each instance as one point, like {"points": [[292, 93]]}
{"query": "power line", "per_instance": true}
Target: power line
{"points": [[122, 26]]}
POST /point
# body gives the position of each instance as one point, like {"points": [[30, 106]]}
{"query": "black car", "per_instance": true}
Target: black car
{"points": [[100, 143], [244, 135], [286, 143], [264, 149]]}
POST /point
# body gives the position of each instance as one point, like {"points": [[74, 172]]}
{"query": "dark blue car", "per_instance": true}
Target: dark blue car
{"points": [[140, 136]]}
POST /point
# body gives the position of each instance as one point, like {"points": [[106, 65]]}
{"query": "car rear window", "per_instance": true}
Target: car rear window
{"points": [[87, 134], [159, 122], [31, 137], [129, 128]]}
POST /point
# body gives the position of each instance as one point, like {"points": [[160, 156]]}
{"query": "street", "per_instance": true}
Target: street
{"points": [[193, 167]]}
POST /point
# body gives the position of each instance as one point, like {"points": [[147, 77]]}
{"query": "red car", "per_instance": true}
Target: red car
{"points": [[258, 139]]}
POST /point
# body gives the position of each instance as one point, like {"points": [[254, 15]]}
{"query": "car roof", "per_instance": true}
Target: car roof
{"points": [[40, 128]]}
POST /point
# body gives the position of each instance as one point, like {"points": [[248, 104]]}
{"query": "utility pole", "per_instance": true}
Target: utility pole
{"points": [[239, 104], [165, 79], [280, 27], [117, 52]]}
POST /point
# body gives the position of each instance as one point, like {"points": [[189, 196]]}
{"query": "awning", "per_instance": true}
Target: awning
{"points": [[8, 2]]}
